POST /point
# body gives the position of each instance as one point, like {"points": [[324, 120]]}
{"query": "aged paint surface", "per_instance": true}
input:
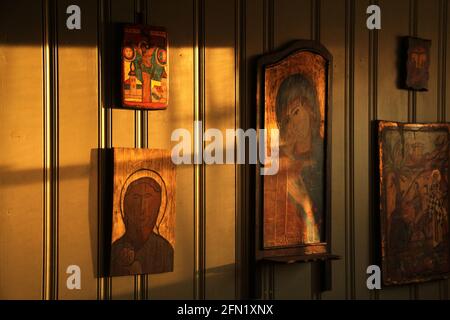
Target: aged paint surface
{"points": [[414, 162], [144, 67], [295, 104], [418, 64], [143, 212]]}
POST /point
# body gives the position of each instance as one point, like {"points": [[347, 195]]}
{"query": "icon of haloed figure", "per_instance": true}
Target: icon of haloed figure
{"points": [[141, 250], [294, 197]]}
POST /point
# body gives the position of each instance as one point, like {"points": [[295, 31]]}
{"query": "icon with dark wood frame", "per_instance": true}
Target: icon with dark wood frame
{"points": [[293, 221]]}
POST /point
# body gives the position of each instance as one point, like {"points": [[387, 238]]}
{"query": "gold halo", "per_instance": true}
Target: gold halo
{"points": [[146, 173]]}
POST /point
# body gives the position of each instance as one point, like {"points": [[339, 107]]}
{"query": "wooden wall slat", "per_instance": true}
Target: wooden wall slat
{"points": [[292, 21], [428, 28], [361, 125], [78, 211], [21, 159], [179, 114], [264, 287], [349, 97], [393, 103], [123, 126], [333, 38], [254, 46], [427, 102], [220, 112]]}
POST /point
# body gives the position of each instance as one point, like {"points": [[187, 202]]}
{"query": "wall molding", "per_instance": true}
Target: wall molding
{"points": [[413, 26], [373, 115], [199, 169], [315, 19], [350, 148], [51, 150], [104, 284], [242, 226], [267, 271]]}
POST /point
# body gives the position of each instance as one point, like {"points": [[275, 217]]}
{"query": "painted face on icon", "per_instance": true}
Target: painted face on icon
{"points": [[128, 53], [297, 116], [297, 127], [141, 205]]}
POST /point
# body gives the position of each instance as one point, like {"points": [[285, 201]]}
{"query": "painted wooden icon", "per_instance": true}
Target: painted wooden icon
{"points": [[145, 68], [414, 186], [293, 93], [418, 63], [143, 212]]}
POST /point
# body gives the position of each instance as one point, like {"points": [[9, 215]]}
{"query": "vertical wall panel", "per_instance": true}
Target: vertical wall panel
{"points": [[292, 21], [428, 28], [333, 38], [21, 159], [254, 46], [393, 102], [361, 125], [427, 102], [122, 11], [179, 114], [77, 186], [265, 271], [242, 199], [220, 109]]}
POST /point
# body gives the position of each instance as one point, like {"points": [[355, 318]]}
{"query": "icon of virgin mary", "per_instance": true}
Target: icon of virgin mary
{"points": [[294, 197]]}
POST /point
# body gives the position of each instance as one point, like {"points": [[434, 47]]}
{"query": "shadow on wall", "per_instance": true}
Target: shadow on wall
{"points": [[219, 274], [87, 36], [94, 227], [19, 177], [13, 177]]}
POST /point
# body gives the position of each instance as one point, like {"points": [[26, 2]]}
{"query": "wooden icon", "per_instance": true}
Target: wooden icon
{"points": [[418, 63], [145, 67], [143, 212], [413, 192]]}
